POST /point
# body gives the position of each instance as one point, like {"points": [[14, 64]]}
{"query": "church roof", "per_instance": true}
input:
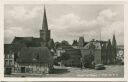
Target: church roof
{"points": [[28, 41], [34, 55]]}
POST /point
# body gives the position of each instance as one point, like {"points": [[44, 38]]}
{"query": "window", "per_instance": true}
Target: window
{"points": [[6, 62], [31, 70], [10, 55], [10, 62], [6, 56], [27, 70]]}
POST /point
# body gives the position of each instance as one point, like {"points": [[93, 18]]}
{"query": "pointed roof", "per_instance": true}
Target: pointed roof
{"points": [[114, 40], [45, 24]]}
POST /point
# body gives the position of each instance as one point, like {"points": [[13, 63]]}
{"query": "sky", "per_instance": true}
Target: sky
{"points": [[65, 81], [66, 21]]}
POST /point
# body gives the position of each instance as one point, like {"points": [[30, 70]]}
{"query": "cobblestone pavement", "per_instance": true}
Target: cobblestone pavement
{"points": [[111, 71]]}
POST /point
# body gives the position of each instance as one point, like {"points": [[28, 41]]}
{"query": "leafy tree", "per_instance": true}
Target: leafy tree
{"points": [[64, 56], [57, 44], [51, 44], [103, 54], [81, 41], [64, 43]]}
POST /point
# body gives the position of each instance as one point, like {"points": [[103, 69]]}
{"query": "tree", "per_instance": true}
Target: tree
{"points": [[75, 43], [81, 42], [64, 56], [64, 43], [57, 44], [51, 44], [109, 52], [114, 49], [103, 53]]}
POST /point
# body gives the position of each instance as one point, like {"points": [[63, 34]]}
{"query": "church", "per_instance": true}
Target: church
{"points": [[43, 40], [30, 54]]}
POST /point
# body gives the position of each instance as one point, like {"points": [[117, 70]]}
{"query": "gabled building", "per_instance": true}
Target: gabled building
{"points": [[37, 60], [30, 54], [80, 43]]}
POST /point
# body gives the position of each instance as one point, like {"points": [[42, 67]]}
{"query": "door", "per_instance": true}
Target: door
{"points": [[22, 69]]}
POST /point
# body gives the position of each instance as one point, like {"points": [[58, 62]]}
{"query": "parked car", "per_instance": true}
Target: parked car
{"points": [[99, 67]]}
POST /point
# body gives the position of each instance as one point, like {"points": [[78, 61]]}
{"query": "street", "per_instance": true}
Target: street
{"points": [[111, 71]]}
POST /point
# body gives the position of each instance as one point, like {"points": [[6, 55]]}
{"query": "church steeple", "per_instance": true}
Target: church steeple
{"points": [[45, 24], [45, 32]]}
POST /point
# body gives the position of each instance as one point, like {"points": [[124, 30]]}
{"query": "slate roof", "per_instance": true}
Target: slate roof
{"points": [[7, 48], [35, 55], [28, 41], [12, 47]]}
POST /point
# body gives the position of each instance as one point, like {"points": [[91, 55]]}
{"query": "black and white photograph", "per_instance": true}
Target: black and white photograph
{"points": [[63, 81], [64, 40]]}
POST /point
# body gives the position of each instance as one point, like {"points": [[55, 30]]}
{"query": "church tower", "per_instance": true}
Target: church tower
{"points": [[45, 32]]}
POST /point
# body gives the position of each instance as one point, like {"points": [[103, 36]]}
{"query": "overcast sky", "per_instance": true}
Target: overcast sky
{"points": [[66, 81], [67, 22]]}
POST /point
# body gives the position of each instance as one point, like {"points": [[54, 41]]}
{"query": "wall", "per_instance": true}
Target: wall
{"points": [[86, 55], [9, 62], [33, 68], [97, 56]]}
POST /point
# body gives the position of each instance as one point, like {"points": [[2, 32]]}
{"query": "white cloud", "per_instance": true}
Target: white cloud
{"points": [[71, 25], [25, 21], [10, 33], [107, 14], [21, 13]]}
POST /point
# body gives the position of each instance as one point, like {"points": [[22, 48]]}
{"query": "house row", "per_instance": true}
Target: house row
{"points": [[35, 60], [91, 53]]}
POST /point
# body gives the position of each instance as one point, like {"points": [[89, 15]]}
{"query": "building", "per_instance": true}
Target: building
{"points": [[62, 49], [79, 44], [43, 40], [68, 56], [21, 55], [8, 59], [74, 58], [37, 60], [94, 53]]}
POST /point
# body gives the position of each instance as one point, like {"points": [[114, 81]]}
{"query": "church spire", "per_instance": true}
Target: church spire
{"points": [[45, 24]]}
